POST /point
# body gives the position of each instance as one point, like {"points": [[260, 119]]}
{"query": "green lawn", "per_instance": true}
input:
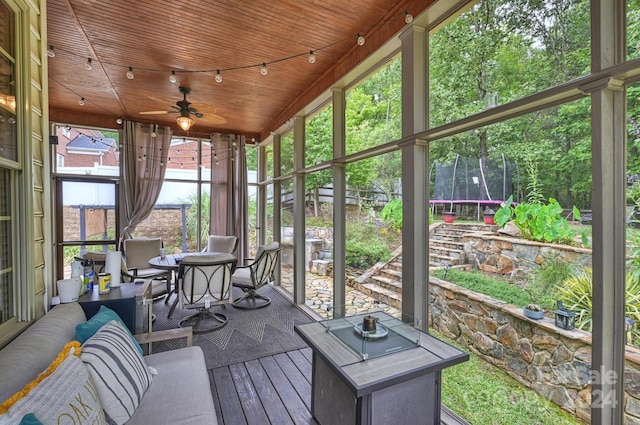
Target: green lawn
{"points": [[484, 395]]}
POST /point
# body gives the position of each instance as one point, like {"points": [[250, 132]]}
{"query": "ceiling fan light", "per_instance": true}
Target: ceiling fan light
{"points": [[185, 122], [218, 76], [173, 77]]}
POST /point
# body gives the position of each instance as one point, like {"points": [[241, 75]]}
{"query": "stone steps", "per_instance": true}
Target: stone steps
{"points": [[446, 248]]}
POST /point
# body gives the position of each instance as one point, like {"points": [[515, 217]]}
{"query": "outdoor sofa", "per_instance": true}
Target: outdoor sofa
{"points": [[179, 391]]}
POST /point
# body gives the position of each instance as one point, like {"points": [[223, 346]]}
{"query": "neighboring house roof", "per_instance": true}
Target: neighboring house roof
{"points": [[94, 143]]}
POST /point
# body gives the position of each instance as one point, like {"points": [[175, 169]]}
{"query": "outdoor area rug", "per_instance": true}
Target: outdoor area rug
{"points": [[248, 335]]}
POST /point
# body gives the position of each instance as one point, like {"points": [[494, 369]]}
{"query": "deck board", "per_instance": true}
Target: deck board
{"points": [[226, 397], [273, 405], [273, 391], [302, 363], [249, 399], [295, 405], [297, 379]]}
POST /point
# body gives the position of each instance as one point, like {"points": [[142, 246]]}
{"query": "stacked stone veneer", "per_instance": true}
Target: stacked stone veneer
{"points": [[554, 362], [515, 257]]}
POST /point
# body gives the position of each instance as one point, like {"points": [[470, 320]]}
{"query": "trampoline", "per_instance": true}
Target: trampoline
{"points": [[471, 181]]}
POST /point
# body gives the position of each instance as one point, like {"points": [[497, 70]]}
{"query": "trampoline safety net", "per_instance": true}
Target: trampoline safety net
{"points": [[467, 181]]}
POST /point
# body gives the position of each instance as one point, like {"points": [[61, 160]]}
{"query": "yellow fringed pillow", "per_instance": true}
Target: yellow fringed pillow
{"points": [[63, 393]]}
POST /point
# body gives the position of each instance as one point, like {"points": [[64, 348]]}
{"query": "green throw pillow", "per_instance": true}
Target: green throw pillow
{"points": [[86, 330], [30, 419]]}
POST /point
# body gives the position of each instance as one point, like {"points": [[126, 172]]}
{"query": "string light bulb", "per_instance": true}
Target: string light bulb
{"points": [[312, 57], [173, 77], [81, 101], [88, 65], [130, 73], [50, 52], [218, 76], [119, 121], [264, 70], [408, 17], [360, 40]]}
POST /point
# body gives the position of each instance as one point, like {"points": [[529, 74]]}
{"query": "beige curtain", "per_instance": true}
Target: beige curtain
{"points": [[229, 190], [144, 153]]}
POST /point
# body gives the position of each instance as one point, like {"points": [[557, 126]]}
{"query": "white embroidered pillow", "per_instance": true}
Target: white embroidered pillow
{"points": [[63, 393]]}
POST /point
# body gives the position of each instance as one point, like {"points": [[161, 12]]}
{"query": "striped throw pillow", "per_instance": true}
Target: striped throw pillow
{"points": [[118, 370]]}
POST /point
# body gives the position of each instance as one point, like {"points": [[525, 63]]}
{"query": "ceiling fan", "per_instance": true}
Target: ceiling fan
{"points": [[188, 110]]}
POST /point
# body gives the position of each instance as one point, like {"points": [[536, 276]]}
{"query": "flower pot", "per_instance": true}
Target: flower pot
{"points": [[531, 314], [488, 219], [448, 217]]}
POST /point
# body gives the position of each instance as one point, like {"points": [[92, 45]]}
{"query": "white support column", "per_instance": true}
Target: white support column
{"points": [[415, 179], [608, 132], [339, 204], [262, 196], [277, 200], [299, 257]]}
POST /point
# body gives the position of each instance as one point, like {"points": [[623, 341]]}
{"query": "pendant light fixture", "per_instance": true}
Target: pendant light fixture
{"points": [[185, 121]]}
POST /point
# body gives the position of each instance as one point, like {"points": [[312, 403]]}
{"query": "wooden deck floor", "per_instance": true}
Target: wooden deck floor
{"points": [[274, 390]]}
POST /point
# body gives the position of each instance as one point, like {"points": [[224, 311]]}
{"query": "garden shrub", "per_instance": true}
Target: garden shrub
{"points": [[551, 274], [365, 253], [392, 214], [365, 245], [576, 293]]}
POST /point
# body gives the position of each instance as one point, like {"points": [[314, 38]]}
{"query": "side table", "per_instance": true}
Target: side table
{"points": [[128, 301]]}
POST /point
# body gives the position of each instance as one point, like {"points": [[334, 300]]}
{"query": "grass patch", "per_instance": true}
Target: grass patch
{"points": [[484, 395], [478, 282]]}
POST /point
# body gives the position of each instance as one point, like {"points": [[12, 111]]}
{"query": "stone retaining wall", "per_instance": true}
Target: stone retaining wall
{"points": [[554, 362], [515, 257]]}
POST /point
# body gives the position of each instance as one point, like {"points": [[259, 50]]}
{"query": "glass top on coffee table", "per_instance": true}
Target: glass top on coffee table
{"points": [[374, 334]]}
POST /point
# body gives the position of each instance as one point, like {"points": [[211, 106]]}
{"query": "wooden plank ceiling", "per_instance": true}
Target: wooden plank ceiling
{"points": [[197, 38]]}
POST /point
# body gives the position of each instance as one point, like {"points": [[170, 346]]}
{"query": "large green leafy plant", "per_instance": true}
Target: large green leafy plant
{"points": [[538, 221]]}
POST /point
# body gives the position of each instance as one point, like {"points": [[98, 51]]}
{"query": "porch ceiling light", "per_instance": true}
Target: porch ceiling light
{"points": [[185, 122]]}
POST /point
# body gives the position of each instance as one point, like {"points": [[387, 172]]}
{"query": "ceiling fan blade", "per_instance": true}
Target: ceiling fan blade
{"points": [[203, 108], [163, 101], [214, 119], [155, 112]]}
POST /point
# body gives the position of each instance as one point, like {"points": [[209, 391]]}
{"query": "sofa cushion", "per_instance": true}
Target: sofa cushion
{"points": [[183, 383], [30, 353], [118, 370], [63, 393], [87, 329]]}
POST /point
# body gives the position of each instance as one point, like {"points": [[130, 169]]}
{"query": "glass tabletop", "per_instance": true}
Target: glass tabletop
{"points": [[389, 336]]}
